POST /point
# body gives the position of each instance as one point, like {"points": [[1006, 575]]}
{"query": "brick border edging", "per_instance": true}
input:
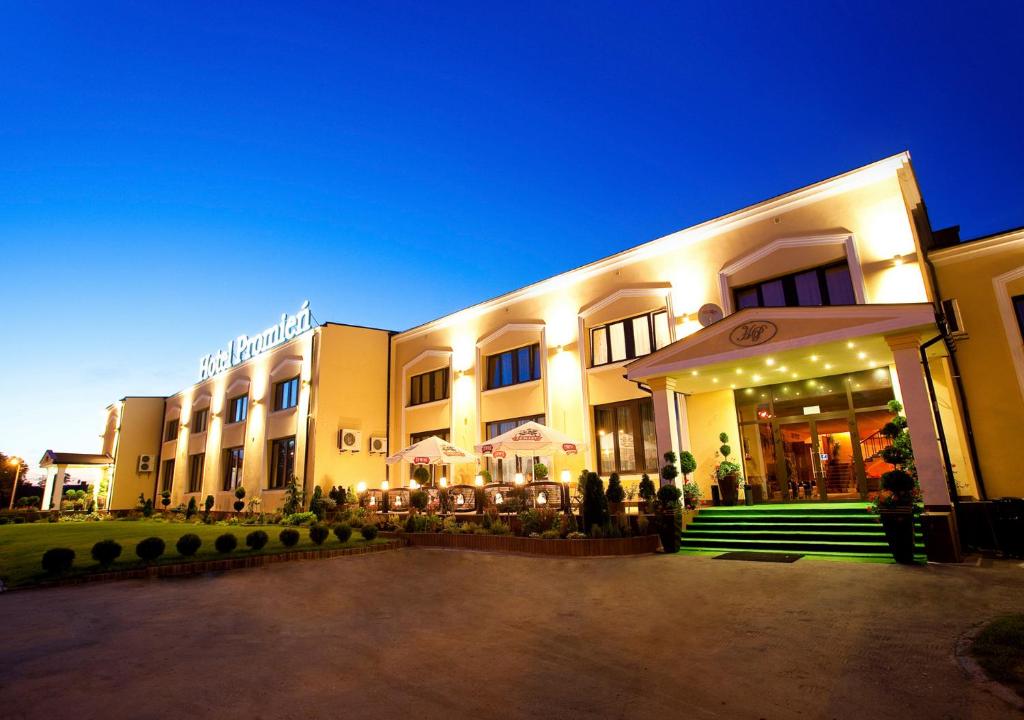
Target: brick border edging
{"points": [[589, 547], [201, 567]]}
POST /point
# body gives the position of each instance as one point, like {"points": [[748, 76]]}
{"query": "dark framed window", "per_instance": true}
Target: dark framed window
{"points": [[199, 418], [626, 440], [436, 471], [630, 338], [171, 430], [513, 367], [233, 458], [1018, 308], [428, 387], [238, 409], [167, 476], [196, 464], [826, 285], [282, 462], [286, 394], [504, 469]]}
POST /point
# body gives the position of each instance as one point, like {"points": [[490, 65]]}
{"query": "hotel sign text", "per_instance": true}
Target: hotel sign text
{"points": [[246, 347]]}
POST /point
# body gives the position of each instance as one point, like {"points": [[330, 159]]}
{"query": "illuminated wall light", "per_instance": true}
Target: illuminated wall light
{"points": [[769, 362], [694, 373], [861, 355], [849, 345], [828, 366], [814, 358], [739, 371], [782, 369], [756, 378], [361, 488], [714, 380]]}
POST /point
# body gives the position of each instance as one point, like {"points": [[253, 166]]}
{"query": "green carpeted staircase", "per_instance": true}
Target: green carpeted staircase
{"points": [[834, 528]]}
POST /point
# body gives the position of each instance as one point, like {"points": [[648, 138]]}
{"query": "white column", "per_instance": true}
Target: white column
{"points": [[920, 422], [666, 423], [48, 487], [53, 491]]}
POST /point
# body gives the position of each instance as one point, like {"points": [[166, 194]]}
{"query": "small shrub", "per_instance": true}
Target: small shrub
{"points": [[58, 560], [239, 503], [316, 503], [369, 532], [299, 518], [318, 533], [668, 496], [191, 509], [150, 549], [343, 532], [105, 552], [500, 528], [615, 493], [550, 535], [226, 543], [419, 499], [188, 544], [289, 537], [147, 508], [256, 540]]}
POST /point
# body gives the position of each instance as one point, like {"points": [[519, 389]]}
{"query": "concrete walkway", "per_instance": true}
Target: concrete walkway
{"points": [[420, 633]]}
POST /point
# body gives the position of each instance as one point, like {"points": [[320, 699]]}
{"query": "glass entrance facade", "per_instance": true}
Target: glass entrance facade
{"points": [[815, 439]]}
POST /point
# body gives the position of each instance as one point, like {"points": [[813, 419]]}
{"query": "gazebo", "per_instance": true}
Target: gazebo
{"points": [[57, 464]]}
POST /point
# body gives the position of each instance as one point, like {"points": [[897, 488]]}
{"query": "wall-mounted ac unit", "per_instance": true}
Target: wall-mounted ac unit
{"points": [[378, 444], [350, 440], [147, 463]]}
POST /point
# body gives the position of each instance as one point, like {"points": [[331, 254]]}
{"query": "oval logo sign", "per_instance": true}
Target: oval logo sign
{"points": [[755, 332]]}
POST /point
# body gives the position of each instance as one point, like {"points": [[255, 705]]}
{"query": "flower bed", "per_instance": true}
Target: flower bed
{"points": [[584, 547]]}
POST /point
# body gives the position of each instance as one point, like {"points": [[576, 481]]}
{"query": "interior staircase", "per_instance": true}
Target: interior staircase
{"points": [[834, 528]]}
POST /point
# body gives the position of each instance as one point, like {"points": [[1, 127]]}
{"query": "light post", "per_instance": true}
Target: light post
{"points": [[16, 462], [566, 476]]}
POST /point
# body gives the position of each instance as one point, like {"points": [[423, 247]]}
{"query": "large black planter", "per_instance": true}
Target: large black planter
{"points": [[899, 532], [730, 487], [669, 527]]}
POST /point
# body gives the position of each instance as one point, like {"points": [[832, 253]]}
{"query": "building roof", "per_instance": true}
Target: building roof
{"points": [[65, 458]]}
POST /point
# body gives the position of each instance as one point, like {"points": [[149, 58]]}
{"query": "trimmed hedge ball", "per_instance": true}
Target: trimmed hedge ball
{"points": [[188, 544], [369, 532], [318, 533], [58, 560], [226, 543], [289, 537], [150, 549], [256, 540], [105, 552], [343, 532]]}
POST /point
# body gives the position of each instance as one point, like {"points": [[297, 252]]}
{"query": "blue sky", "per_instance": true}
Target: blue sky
{"points": [[173, 174]]}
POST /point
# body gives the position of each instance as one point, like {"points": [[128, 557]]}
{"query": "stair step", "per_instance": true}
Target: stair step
{"points": [[859, 518], [771, 525], [696, 535], [847, 547]]}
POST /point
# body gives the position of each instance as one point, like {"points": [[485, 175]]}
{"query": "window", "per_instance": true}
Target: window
{"points": [[630, 338], [238, 409], [195, 472], [513, 367], [951, 313], [1018, 308], [286, 394], [282, 462], [233, 467], [436, 471], [167, 476], [504, 469], [171, 430], [826, 285], [428, 387], [626, 441], [199, 418]]}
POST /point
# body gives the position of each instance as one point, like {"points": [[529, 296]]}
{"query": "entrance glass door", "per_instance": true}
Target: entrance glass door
{"points": [[801, 447]]}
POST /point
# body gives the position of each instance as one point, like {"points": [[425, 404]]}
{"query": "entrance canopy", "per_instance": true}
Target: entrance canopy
{"points": [[762, 346], [58, 463]]}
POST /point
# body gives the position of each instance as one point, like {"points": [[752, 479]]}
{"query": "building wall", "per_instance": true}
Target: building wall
{"points": [[132, 429], [865, 216], [982, 276]]}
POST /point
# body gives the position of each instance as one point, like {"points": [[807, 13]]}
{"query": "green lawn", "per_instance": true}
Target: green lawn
{"points": [[999, 648], [22, 546]]}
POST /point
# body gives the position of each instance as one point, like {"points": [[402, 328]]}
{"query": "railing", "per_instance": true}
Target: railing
{"points": [[873, 445]]}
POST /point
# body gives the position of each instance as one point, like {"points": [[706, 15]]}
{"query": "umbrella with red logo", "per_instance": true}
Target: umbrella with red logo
{"points": [[527, 440], [432, 451]]}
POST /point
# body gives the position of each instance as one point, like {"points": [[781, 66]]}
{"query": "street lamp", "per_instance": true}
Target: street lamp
{"points": [[16, 462]]}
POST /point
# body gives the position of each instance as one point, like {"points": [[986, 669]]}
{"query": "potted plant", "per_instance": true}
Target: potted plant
{"points": [[896, 502], [727, 473], [615, 495], [669, 517], [669, 472], [239, 499], [646, 492], [540, 472]]}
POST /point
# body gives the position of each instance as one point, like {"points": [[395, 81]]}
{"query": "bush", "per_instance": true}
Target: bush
{"points": [[316, 503], [105, 552], [646, 489], [419, 499], [421, 474], [369, 532], [239, 503], [191, 509], [289, 537], [150, 549], [188, 544], [256, 540], [615, 493], [687, 462], [58, 560], [318, 533], [668, 496], [899, 482], [299, 518], [226, 543], [668, 470], [147, 508], [595, 504], [343, 532]]}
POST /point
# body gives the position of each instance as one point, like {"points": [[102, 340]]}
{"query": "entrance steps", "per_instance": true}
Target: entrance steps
{"points": [[839, 528]]}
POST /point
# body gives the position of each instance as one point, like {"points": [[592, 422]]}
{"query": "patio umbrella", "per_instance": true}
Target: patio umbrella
{"points": [[527, 440], [432, 451]]}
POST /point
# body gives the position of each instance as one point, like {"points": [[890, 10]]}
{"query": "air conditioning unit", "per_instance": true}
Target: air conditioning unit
{"points": [[379, 444], [350, 440], [147, 463]]}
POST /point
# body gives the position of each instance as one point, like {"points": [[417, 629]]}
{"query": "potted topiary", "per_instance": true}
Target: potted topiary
{"points": [[540, 471], [239, 499], [165, 499], [669, 518], [421, 475], [615, 495], [727, 473], [897, 501], [669, 472], [646, 492]]}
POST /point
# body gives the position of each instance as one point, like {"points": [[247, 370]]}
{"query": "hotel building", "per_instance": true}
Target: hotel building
{"points": [[788, 325]]}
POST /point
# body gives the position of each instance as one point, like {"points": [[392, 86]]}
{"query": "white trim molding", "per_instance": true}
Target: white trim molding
{"points": [[755, 256], [970, 248], [663, 290], [510, 327], [1000, 284]]}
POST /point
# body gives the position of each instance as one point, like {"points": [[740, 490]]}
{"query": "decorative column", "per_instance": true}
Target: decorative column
{"points": [[917, 406], [666, 422], [53, 491]]}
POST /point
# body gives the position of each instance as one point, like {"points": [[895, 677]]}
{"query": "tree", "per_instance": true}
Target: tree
{"points": [[208, 505], [646, 489], [10, 476], [239, 499], [687, 463], [668, 470], [595, 504], [192, 509], [421, 474], [294, 498], [615, 493], [316, 503], [165, 498]]}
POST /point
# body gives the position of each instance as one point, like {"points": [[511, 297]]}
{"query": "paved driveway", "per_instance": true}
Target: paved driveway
{"points": [[420, 633]]}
